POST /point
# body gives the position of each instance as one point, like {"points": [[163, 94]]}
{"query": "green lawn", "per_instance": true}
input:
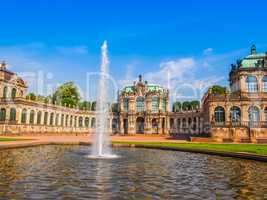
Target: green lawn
{"points": [[260, 149], [11, 139]]}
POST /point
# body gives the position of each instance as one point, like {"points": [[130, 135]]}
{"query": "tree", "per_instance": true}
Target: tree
{"points": [[31, 96], [195, 105], [66, 94], [93, 106], [115, 107], [177, 106], [217, 89], [85, 105], [186, 105]]}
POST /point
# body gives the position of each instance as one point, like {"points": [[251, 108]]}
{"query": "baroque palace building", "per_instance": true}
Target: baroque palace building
{"points": [[237, 115]]}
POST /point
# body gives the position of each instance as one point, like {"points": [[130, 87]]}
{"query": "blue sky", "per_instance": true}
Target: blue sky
{"points": [[184, 45]]}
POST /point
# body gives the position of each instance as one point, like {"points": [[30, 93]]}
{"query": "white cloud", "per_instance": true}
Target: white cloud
{"points": [[207, 51]]}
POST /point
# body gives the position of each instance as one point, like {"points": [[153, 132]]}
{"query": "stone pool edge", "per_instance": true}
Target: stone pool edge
{"points": [[246, 156]]}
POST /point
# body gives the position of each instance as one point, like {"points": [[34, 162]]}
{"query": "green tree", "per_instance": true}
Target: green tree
{"points": [[93, 106], [177, 106], [195, 105], [85, 105], [31, 96], [67, 94], [115, 107], [217, 89], [186, 105]]}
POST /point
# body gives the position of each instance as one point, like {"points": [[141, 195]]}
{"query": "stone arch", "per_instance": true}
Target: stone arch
{"points": [[45, 118], [32, 115], [3, 114], [39, 117], [80, 121], [13, 93], [13, 113], [219, 114], [140, 125], [93, 122], [5, 92], [235, 114], [24, 116]]}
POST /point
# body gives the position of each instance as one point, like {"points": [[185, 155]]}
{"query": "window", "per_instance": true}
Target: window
{"points": [[164, 105], [39, 117], [93, 123], [140, 104], [80, 122], [5, 92], [155, 104], [254, 114], [219, 114], [24, 116], [2, 114], [264, 84], [62, 120], [75, 121], [126, 105], [66, 120], [51, 122], [13, 114], [32, 117], [46, 118], [13, 93], [57, 119], [252, 84], [86, 122], [235, 114]]}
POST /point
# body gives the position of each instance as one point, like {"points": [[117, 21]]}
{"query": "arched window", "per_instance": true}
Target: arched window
{"points": [[114, 123], [5, 92], [45, 118], [24, 116], [67, 120], [57, 119], [86, 122], [126, 104], [219, 114], [62, 120], [71, 121], [93, 125], [51, 122], [252, 84], [264, 84], [2, 114], [140, 104], [32, 117], [154, 123], [254, 114], [75, 121], [13, 93], [13, 114], [39, 117], [80, 121], [164, 105], [235, 114], [155, 104]]}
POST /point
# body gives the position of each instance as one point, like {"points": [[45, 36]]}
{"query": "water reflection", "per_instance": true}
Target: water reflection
{"points": [[50, 172]]}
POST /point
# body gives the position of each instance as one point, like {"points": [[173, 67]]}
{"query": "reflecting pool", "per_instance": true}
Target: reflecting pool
{"points": [[65, 172]]}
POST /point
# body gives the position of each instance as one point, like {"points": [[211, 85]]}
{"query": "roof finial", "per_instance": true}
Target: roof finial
{"points": [[3, 65], [253, 49], [140, 78]]}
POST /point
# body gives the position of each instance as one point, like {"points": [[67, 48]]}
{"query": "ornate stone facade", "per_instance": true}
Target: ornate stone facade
{"points": [[144, 109], [240, 114]]}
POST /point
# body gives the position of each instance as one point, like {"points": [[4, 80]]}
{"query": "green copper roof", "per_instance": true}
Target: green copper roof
{"points": [[253, 60], [129, 89]]}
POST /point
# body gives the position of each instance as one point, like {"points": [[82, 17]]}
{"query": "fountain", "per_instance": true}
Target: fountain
{"points": [[101, 144]]}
